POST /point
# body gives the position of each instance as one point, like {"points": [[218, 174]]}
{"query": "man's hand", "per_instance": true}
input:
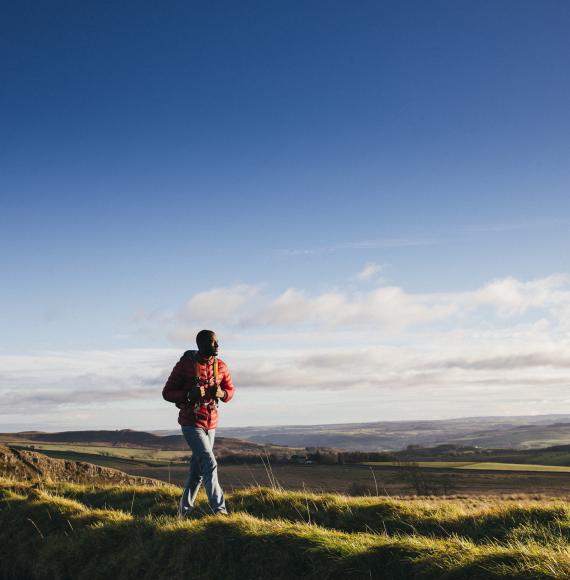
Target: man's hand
{"points": [[199, 390], [196, 392], [220, 393]]}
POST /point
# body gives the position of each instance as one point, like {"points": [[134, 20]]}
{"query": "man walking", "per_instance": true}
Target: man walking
{"points": [[198, 381]]}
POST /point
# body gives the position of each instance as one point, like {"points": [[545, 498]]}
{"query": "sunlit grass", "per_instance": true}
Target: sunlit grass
{"points": [[84, 531]]}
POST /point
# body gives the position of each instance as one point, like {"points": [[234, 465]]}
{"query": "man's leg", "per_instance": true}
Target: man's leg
{"points": [[202, 467], [194, 478], [209, 467]]}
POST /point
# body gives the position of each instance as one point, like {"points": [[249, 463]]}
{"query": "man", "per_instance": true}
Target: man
{"points": [[198, 381]]}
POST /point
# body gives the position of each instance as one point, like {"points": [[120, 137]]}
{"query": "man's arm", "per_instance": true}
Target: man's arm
{"points": [[174, 390], [226, 384]]}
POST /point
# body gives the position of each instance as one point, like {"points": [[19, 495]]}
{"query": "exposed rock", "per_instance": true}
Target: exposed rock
{"points": [[32, 466]]}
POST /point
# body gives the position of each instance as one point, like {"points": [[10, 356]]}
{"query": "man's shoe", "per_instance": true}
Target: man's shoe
{"points": [[183, 512]]}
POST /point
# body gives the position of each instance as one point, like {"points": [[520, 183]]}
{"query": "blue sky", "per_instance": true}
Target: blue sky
{"points": [[162, 164]]}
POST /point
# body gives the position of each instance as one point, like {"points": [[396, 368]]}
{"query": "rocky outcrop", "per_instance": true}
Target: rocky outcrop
{"points": [[32, 466]]}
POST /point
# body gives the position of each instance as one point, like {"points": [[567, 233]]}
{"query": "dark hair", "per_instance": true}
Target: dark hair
{"points": [[203, 336]]}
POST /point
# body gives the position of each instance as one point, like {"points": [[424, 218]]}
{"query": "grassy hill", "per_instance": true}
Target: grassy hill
{"points": [[100, 532]]}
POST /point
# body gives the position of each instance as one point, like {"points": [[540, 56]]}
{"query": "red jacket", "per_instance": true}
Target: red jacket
{"points": [[202, 412]]}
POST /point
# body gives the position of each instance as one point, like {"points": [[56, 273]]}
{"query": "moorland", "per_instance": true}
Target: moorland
{"points": [[90, 505]]}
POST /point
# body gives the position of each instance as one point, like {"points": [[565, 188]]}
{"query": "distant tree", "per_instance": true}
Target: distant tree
{"points": [[413, 447], [358, 488], [424, 482]]}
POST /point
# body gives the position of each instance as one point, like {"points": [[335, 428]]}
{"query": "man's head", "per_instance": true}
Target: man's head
{"points": [[207, 342]]}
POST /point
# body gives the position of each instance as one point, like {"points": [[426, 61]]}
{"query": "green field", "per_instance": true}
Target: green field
{"points": [[107, 455], [434, 477], [517, 467], [74, 451], [87, 532], [478, 465]]}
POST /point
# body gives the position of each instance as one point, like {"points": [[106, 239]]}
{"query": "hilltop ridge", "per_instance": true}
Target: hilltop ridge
{"points": [[79, 531]]}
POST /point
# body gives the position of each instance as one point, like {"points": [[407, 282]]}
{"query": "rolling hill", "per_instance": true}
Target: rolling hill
{"points": [[128, 438]]}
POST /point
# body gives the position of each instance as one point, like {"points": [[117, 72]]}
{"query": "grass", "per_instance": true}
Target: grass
{"points": [[87, 532]]}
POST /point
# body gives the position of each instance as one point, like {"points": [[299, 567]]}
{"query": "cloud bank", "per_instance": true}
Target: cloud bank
{"points": [[388, 307], [500, 348]]}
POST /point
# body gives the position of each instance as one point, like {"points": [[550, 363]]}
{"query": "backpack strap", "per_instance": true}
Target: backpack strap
{"points": [[216, 378]]}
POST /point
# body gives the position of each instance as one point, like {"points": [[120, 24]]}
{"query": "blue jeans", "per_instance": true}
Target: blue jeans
{"points": [[203, 467]]}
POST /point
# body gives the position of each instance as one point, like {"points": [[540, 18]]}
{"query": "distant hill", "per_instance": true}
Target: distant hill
{"points": [[524, 432], [519, 437], [119, 438], [131, 438], [502, 432]]}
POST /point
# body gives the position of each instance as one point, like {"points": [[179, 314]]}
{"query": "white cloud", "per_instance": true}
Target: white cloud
{"points": [[369, 271], [84, 378], [219, 304], [511, 297], [387, 309]]}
